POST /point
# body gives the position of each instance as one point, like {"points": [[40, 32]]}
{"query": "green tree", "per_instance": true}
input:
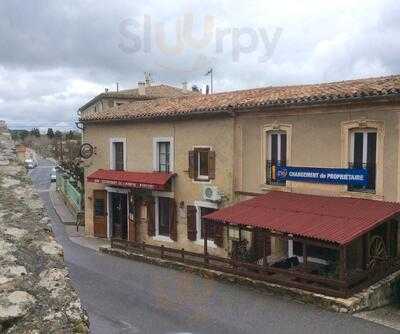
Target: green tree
{"points": [[35, 132], [58, 134], [70, 135], [50, 133]]}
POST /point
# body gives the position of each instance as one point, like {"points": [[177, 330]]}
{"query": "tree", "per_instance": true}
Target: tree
{"points": [[50, 133], [58, 134], [69, 135], [35, 132]]}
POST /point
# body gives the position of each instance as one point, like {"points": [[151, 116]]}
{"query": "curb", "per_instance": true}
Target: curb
{"points": [[350, 305], [71, 223]]}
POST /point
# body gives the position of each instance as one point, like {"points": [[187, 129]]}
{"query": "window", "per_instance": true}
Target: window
{"points": [[164, 216], [363, 155], [209, 226], [118, 153], [202, 164], [163, 156], [276, 156]]}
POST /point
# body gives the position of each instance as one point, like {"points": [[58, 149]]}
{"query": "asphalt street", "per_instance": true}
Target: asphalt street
{"points": [[123, 296]]}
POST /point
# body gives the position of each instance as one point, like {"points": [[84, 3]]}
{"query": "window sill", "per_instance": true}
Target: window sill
{"points": [[268, 187], [364, 195], [210, 243], [202, 181], [162, 238]]}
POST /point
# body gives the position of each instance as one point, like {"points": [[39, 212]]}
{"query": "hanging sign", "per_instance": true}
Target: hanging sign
{"points": [[348, 176]]}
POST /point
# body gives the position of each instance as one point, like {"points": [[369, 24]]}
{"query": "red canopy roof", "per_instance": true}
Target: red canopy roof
{"points": [[333, 219], [145, 180]]}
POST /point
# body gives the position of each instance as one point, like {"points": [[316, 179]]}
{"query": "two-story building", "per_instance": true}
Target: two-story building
{"points": [[304, 178]]}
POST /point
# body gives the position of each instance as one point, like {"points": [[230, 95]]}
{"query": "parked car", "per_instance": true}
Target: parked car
{"points": [[53, 175], [30, 164]]}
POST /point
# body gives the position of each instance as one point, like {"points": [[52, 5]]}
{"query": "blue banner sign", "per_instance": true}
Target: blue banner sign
{"points": [[349, 176]]}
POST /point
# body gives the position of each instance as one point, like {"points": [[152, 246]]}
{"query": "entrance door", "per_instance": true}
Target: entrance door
{"points": [[119, 217], [100, 213]]}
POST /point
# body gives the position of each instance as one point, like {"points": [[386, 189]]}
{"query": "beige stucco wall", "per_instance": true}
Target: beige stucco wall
{"points": [[216, 133], [316, 141]]}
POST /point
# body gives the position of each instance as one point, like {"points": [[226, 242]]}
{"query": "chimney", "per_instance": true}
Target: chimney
{"points": [[142, 88], [184, 85]]}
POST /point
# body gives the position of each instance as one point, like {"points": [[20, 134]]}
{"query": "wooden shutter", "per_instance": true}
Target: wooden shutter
{"points": [[283, 149], [211, 165], [218, 233], [151, 223], [191, 222], [173, 224], [192, 164]]}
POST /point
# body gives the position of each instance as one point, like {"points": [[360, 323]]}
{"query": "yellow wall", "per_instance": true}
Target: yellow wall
{"points": [[216, 133], [316, 141]]}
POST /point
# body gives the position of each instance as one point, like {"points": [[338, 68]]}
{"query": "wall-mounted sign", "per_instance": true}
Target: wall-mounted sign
{"points": [[86, 151], [349, 176]]}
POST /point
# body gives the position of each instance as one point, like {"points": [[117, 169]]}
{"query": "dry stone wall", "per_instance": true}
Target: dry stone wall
{"points": [[36, 294]]}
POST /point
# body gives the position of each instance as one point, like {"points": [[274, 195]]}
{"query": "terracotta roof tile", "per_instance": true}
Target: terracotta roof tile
{"points": [[152, 92], [269, 96]]}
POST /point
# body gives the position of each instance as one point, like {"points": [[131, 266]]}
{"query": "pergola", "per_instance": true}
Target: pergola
{"points": [[363, 232]]}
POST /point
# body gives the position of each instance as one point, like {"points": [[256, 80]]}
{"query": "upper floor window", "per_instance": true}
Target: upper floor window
{"points": [[363, 155], [276, 155], [202, 164], [163, 154], [117, 156]]}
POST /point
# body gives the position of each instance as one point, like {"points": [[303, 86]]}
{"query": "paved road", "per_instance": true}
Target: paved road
{"points": [[123, 296]]}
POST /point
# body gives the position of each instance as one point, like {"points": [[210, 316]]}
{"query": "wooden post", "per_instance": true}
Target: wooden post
{"points": [[388, 223], [162, 251], [343, 264], [364, 251], [205, 241], [240, 233], [305, 261], [265, 233]]}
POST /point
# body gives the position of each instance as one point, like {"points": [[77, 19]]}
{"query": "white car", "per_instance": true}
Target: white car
{"points": [[53, 175], [29, 163]]}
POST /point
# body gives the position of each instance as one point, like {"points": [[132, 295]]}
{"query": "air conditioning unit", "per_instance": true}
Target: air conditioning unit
{"points": [[211, 193]]}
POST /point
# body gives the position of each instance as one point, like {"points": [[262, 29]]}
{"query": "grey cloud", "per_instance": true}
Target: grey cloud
{"points": [[47, 46]]}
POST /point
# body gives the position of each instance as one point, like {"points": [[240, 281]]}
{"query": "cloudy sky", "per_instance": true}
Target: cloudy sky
{"points": [[55, 55]]}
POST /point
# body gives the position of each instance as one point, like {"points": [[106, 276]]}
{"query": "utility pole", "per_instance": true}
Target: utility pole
{"points": [[210, 73]]}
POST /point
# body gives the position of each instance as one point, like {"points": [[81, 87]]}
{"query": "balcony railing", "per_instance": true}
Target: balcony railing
{"points": [[371, 168], [271, 172]]}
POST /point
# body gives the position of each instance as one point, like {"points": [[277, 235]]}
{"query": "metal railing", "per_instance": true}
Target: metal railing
{"points": [[66, 188], [371, 169], [271, 172]]}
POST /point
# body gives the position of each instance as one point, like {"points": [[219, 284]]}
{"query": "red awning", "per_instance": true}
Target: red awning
{"points": [[143, 180], [333, 219]]}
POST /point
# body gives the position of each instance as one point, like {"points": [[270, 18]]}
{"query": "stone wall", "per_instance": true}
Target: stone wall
{"points": [[36, 293]]}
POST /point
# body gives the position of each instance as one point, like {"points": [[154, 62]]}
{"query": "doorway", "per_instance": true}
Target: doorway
{"points": [[119, 215], [100, 213]]}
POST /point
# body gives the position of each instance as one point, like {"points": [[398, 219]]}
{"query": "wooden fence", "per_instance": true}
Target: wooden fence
{"points": [[287, 277]]}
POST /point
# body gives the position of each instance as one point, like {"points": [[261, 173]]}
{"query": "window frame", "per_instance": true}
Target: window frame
{"points": [[357, 125], [199, 205], [197, 176], [157, 235], [156, 156], [265, 155], [112, 161]]}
